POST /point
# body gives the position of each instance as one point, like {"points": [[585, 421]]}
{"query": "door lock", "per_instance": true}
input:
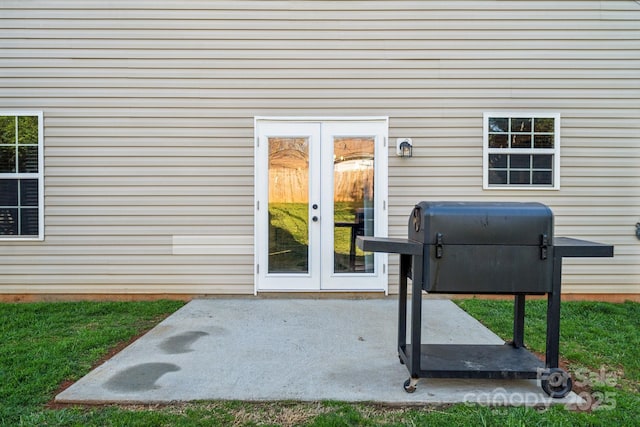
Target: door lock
{"points": [[314, 219]]}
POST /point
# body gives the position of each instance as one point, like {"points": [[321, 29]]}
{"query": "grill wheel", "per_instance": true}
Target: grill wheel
{"points": [[556, 383]]}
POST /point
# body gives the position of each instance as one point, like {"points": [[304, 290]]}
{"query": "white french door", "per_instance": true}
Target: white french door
{"points": [[320, 184]]}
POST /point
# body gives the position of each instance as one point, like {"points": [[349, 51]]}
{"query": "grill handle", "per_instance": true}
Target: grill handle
{"points": [[439, 245], [544, 245]]}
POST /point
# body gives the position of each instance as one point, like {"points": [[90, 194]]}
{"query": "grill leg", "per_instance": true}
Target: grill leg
{"points": [[416, 316], [553, 315], [518, 321], [405, 264]]}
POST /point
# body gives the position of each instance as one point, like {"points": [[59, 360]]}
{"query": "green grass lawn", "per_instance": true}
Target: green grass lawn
{"points": [[292, 218], [45, 345], [289, 236]]}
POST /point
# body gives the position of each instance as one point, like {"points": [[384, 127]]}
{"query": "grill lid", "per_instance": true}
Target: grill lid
{"points": [[481, 223]]}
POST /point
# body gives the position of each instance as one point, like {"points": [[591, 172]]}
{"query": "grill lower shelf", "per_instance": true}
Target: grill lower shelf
{"points": [[475, 361]]}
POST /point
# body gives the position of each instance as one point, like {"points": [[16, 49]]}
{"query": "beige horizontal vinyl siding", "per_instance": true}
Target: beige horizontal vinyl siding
{"points": [[149, 111]]}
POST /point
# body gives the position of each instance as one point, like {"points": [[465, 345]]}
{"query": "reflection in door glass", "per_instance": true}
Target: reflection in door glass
{"points": [[288, 205], [353, 196]]}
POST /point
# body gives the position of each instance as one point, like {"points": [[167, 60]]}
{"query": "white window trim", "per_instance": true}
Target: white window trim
{"points": [[39, 175], [486, 150]]}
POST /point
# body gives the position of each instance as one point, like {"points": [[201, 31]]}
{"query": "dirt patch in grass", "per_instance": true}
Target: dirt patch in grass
{"points": [[280, 413], [277, 413]]}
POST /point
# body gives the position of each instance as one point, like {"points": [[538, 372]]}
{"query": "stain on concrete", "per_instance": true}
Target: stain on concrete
{"points": [[141, 377], [181, 343]]}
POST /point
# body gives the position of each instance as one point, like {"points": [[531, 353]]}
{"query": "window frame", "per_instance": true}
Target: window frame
{"points": [[30, 175], [555, 151]]}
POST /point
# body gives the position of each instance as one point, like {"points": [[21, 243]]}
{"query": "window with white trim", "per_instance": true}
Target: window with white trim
{"points": [[521, 150], [21, 178]]}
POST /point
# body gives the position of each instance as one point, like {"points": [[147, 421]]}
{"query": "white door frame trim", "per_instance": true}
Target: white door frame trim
{"points": [[321, 119]]}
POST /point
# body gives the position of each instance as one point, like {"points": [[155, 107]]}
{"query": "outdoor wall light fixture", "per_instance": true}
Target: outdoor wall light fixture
{"points": [[404, 147]]}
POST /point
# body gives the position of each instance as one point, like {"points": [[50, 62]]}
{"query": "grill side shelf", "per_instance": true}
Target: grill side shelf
{"points": [[570, 247], [389, 245]]}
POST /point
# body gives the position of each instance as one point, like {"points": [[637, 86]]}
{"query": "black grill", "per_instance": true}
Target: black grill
{"points": [[482, 248]]}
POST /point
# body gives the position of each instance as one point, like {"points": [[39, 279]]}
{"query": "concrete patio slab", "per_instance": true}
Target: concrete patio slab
{"points": [[293, 349]]}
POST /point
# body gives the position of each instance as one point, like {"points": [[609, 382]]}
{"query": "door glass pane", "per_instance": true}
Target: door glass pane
{"points": [[353, 196], [288, 205]]}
